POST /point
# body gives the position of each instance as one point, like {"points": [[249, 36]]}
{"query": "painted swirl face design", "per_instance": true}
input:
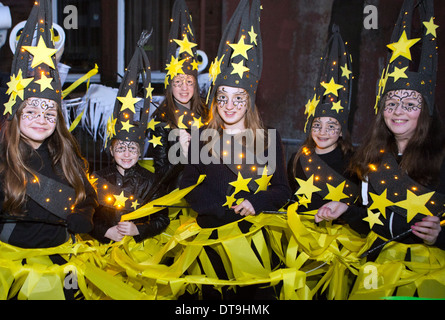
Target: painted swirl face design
{"points": [[126, 154], [232, 106], [38, 120], [401, 112], [325, 132]]}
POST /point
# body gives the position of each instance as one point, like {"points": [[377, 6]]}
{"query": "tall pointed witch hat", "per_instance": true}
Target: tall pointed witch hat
{"points": [[128, 122], [332, 97], [403, 71], [182, 57], [239, 61], [34, 70]]}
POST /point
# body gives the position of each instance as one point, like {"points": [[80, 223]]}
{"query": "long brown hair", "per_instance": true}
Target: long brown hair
{"points": [[167, 108], [64, 152], [422, 157]]}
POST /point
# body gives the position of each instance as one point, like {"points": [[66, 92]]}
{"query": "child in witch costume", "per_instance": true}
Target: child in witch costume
{"points": [[323, 159], [125, 185], [402, 162], [45, 194], [239, 181], [182, 107]]}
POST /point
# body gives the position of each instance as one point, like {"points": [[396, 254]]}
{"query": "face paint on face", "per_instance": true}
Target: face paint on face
{"points": [[325, 132], [183, 88], [401, 112], [38, 120], [232, 106], [126, 154]]}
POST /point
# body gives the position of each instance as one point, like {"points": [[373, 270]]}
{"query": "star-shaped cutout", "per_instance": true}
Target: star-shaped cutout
{"points": [[253, 36], [336, 106], [149, 91], [215, 69], [185, 45], [311, 105], [331, 87], [120, 200], [240, 49], [239, 68], [135, 204], [126, 125], [41, 54], [380, 202], [8, 106], [336, 194], [263, 182], [373, 218], [431, 27], [398, 73], [17, 85], [307, 187], [303, 201], [230, 200], [152, 124], [415, 204], [195, 65], [240, 184], [174, 68], [402, 47], [111, 127], [197, 123], [128, 102], [345, 72], [45, 83], [156, 141]]}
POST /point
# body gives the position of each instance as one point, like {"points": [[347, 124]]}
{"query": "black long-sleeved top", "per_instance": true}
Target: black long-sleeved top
{"points": [[45, 235], [394, 223], [137, 182], [208, 198]]}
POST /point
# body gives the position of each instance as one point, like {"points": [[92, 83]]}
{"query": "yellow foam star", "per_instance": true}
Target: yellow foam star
{"points": [[215, 69], [311, 105], [45, 83], [431, 27], [345, 71], [174, 68], [135, 204], [41, 54], [240, 184], [337, 106], [263, 182], [303, 201], [119, 200], [126, 125], [152, 124], [128, 102], [402, 47], [380, 202], [331, 87], [197, 123], [307, 187], [156, 141], [17, 85], [415, 204], [149, 92], [195, 65], [239, 68], [253, 36], [336, 194], [373, 218], [240, 48], [111, 127], [398, 73], [185, 45], [8, 106], [230, 200]]}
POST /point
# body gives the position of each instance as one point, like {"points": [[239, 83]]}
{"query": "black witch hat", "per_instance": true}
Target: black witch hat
{"points": [[332, 94], [182, 57], [239, 61], [34, 70], [128, 122], [403, 72]]}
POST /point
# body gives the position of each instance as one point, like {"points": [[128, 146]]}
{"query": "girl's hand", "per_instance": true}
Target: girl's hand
{"points": [[127, 228], [331, 211], [245, 208], [184, 141], [428, 229], [113, 234]]}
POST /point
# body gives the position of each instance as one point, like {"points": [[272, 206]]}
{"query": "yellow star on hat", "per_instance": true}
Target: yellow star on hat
{"points": [[128, 102], [431, 27], [126, 125], [17, 85], [41, 54], [402, 47], [345, 71], [45, 83], [240, 48], [215, 69], [331, 87], [239, 68], [398, 73], [185, 45]]}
